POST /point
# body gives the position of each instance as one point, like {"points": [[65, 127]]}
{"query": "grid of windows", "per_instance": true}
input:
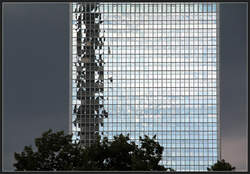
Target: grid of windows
{"points": [[160, 76]]}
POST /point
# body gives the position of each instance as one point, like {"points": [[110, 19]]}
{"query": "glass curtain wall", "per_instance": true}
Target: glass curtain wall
{"points": [[148, 68]]}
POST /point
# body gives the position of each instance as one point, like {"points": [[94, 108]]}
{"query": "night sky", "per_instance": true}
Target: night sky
{"points": [[36, 78]]}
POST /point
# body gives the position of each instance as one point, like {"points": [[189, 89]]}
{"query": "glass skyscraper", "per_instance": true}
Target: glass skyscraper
{"points": [[148, 68]]}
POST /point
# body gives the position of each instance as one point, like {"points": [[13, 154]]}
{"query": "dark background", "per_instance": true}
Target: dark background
{"points": [[36, 78]]}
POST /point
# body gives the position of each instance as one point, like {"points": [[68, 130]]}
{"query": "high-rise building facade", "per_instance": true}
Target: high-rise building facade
{"points": [[148, 68]]}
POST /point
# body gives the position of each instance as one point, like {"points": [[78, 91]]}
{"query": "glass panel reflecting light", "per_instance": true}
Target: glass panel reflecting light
{"points": [[148, 68]]}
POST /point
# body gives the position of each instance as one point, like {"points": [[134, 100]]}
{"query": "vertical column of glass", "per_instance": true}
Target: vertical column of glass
{"points": [[88, 73]]}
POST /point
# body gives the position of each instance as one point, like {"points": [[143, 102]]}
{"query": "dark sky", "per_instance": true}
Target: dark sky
{"points": [[35, 76], [234, 86]]}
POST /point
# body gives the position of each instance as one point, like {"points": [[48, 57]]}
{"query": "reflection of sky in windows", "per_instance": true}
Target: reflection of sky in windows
{"points": [[164, 68]]}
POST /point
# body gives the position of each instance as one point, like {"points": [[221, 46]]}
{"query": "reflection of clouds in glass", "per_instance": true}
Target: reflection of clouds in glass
{"points": [[164, 70]]}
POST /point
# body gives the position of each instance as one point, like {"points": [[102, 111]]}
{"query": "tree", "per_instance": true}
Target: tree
{"points": [[56, 151], [221, 166], [148, 156]]}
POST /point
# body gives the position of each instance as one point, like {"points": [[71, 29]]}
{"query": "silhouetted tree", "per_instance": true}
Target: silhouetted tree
{"points": [[55, 151], [221, 166]]}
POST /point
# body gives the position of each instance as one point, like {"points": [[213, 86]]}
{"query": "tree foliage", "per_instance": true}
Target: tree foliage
{"points": [[221, 166], [56, 151]]}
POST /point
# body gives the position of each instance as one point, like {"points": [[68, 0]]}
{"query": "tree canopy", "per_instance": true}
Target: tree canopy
{"points": [[57, 152], [221, 165]]}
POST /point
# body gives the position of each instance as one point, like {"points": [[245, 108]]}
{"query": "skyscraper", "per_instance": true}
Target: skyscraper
{"points": [[148, 68]]}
